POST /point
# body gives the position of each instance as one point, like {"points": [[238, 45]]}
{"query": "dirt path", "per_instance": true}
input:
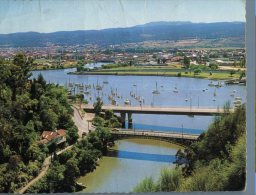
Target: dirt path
{"points": [[45, 167]]}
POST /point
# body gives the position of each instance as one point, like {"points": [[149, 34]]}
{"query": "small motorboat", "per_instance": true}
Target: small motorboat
{"points": [[127, 102]]}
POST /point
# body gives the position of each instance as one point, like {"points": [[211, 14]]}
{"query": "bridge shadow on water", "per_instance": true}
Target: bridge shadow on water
{"points": [[141, 156], [164, 128]]}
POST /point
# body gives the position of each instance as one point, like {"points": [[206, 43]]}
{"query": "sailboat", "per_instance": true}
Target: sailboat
{"points": [[214, 94], [156, 90], [98, 87], [175, 90]]}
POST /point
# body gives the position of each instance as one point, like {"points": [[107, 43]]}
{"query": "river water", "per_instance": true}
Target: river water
{"points": [[134, 159]]}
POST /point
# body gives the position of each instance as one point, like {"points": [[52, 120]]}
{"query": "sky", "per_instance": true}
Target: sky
{"points": [[67, 15]]}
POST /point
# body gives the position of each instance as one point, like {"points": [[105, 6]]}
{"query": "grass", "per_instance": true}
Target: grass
{"points": [[163, 71]]}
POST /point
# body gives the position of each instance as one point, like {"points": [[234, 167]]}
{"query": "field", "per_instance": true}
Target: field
{"points": [[164, 71]]}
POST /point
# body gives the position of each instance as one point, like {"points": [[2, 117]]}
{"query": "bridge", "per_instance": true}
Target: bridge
{"points": [[157, 110], [119, 133]]}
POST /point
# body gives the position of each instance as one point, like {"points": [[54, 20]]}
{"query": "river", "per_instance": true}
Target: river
{"points": [[135, 159]]}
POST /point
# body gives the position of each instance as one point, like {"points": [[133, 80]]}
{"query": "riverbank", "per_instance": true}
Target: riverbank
{"points": [[220, 75], [55, 68]]}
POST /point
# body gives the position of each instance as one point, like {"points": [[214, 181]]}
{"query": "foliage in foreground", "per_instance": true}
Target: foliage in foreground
{"points": [[27, 107], [68, 166], [217, 162]]}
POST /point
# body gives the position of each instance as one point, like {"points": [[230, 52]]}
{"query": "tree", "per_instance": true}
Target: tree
{"points": [[87, 161], [70, 174], [55, 177], [242, 63], [186, 61], [232, 72], [98, 106], [20, 72], [197, 71], [80, 98], [104, 136], [109, 114], [213, 66], [242, 74], [49, 119], [72, 135]]}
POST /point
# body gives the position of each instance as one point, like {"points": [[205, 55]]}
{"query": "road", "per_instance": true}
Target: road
{"points": [[80, 122], [160, 110], [156, 134]]}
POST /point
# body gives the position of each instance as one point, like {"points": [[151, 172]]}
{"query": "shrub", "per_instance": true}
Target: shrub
{"points": [[147, 185], [197, 71]]}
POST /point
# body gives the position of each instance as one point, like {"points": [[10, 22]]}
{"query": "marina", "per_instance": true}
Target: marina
{"points": [[138, 91]]}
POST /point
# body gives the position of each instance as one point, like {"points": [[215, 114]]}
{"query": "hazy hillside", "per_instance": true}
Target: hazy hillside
{"points": [[152, 31]]}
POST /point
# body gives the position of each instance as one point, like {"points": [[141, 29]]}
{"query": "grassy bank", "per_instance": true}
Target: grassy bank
{"points": [[217, 75], [65, 66]]}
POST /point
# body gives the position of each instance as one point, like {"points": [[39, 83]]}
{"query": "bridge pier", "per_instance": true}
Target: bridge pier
{"points": [[123, 119], [129, 120]]}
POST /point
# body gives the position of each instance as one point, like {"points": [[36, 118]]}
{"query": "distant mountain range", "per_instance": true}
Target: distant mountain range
{"points": [[148, 32]]}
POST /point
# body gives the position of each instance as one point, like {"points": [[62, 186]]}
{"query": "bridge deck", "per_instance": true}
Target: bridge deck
{"points": [[158, 134], [160, 110]]}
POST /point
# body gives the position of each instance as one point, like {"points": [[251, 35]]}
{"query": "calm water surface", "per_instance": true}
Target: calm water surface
{"points": [[130, 161]]}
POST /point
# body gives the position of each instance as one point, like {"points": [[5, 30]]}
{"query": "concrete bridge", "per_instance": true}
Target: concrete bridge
{"points": [[180, 137], [156, 110]]}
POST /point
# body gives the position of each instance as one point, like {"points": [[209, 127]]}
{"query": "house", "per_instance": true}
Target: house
{"points": [[49, 137]]}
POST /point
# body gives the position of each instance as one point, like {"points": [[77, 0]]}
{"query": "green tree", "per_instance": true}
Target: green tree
{"points": [[232, 72], [49, 119], [70, 174], [72, 135], [20, 72], [104, 136], [186, 61], [98, 106]]}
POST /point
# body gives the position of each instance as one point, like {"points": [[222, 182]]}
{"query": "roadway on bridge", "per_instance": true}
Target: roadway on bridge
{"points": [[158, 134], [160, 110]]}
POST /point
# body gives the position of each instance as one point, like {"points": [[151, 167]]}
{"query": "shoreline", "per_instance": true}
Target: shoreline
{"points": [[155, 74]]}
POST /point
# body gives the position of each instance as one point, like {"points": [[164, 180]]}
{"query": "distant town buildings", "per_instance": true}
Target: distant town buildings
{"points": [[130, 53]]}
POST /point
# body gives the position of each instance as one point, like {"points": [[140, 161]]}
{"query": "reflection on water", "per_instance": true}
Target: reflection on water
{"points": [[141, 156], [164, 128], [129, 162]]}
